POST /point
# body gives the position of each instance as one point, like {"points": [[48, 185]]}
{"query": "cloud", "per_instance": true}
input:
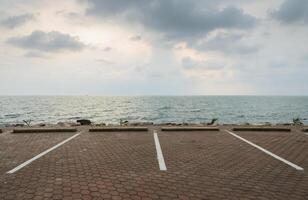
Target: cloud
{"points": [[135, 38], [17, 20], [68, 14], [48, 42], [36, 54], [292, 11], [191, 64], [174, 18], [106, 49], [105, 62], [228, 43]]}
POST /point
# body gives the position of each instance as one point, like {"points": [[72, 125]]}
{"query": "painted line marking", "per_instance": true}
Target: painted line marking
{"points": [[40, 155], [160, 157], [267, 152]]}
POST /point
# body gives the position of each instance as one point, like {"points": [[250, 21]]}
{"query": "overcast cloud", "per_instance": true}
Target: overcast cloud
{"points": [[228, 43], [137, 47], [292, 11], [48, 41], [16, 20], [174, 18]]}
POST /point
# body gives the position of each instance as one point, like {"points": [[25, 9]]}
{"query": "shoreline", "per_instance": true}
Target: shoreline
{"points": [[74, 124], [77, 126]]}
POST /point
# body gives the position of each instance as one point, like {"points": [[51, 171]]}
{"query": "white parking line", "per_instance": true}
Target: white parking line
{"points": [[40, 155], [160, 157], [267, 152]]}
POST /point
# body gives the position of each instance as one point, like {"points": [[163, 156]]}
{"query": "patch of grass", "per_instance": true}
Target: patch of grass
{"points": [[27, 122], [297, 121], [213, 121]]}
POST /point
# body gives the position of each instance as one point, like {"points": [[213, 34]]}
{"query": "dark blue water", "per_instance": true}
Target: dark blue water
{"points": [[157, 109]]}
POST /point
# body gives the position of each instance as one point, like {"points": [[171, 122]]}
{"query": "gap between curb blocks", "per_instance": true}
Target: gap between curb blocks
{"points": [[267, 152]]}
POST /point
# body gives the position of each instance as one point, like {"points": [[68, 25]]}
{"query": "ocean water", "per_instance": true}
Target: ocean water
{"points": [[157, 109]]}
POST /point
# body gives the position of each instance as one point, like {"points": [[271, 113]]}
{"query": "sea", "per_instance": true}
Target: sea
{"points": [[156, 109]]}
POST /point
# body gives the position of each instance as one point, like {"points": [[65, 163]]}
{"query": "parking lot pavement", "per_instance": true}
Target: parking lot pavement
{"points": [[93, 165], [292, 146], [15, 149], [217, 162], [124, 165]]}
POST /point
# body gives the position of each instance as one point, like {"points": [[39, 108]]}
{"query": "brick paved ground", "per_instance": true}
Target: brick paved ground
{"points": [[218, 165], [288, 145], [200, 165], [17, 148]]}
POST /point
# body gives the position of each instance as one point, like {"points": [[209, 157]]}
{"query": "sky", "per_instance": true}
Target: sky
{"points": [[153, 47]]}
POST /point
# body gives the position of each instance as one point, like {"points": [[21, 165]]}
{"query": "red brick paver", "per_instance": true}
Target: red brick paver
{"points": [[200, 165], [218, 165], [15, 149], [292, 146]]}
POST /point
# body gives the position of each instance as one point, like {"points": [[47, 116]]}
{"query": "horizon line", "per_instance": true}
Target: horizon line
{"points": [[150, 95]]}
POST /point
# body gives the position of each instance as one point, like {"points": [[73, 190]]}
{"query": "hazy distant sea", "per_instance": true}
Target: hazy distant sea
{"points": [[157, 109]]}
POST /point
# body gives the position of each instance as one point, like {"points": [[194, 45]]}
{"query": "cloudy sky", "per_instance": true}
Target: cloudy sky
{"points": [[153, 47]]}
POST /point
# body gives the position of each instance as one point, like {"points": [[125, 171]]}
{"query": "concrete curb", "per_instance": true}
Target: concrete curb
{"points": [[44, 130], [189, 128], [118, 129], [266, 129]]}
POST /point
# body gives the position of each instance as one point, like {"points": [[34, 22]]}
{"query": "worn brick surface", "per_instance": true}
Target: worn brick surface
{"points": [[218, 165], [201, 165], [291, 146], [15, 149]]}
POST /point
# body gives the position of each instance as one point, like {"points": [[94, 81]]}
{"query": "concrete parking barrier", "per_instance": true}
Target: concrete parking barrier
{"points": [[117, 129], [44, 130], [190, 129], [264, 129]]}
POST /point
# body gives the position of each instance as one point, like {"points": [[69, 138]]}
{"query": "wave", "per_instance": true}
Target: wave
{"points": [[12, 115]]}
